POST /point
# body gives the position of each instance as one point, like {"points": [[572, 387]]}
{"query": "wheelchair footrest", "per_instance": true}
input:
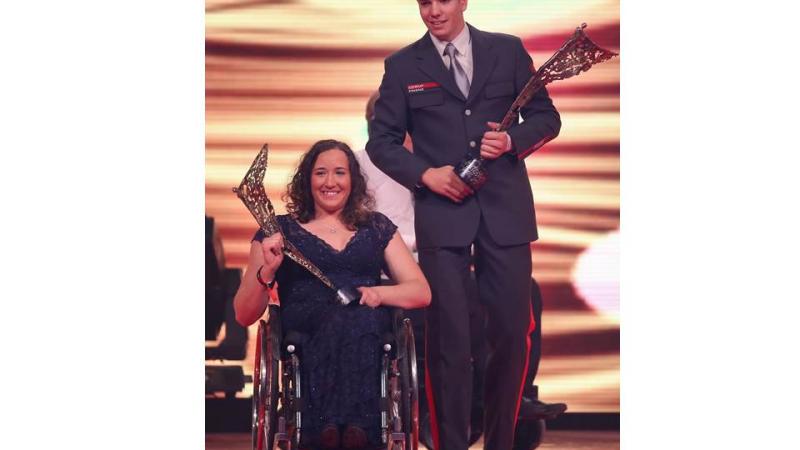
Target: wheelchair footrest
{"points": [[282, 440], [398, 438]]}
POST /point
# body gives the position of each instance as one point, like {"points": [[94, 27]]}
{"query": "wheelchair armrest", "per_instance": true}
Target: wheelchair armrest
{"points": [[398, 315]]}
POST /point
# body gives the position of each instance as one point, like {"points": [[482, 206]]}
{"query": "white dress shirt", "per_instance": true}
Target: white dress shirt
{"points": [[391, 199], [463, 45]]}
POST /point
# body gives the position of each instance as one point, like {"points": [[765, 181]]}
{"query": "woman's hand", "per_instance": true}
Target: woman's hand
{"points": [[370, 297], [272, 248]]}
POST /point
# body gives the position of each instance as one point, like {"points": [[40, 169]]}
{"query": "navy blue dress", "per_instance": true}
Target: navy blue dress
{"points": [[340, 366]]}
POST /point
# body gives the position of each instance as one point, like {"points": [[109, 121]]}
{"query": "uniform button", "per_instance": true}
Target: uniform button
{"points": [[467, 112], [472, 144]]}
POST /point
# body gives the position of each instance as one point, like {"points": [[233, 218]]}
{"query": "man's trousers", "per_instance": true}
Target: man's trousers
{"points": [[504, 282]]}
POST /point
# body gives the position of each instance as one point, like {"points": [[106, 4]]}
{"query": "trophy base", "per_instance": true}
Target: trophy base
{"points": [[348, 295], [472, 171]]}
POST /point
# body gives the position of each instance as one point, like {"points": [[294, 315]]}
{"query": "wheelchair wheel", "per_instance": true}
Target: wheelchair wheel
{"points": [[409, 404], [265, 385]]}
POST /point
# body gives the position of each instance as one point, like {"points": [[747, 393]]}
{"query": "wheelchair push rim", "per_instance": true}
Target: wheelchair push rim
{"points": [[411, 399], [265, 390]]}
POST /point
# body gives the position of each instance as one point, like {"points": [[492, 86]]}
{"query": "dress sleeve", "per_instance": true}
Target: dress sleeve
{"points": [[282, 222], [259, 236], [384, 228]]}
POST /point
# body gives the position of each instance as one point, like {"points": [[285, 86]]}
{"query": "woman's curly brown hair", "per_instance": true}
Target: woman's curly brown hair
{"points": [[300, 202]]}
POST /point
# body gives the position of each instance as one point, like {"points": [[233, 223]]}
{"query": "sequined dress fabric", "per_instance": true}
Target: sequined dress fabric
{"points": [[340, 365]]}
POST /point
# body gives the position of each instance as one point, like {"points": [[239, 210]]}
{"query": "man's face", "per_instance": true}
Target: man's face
{"points": [[444, 18]]}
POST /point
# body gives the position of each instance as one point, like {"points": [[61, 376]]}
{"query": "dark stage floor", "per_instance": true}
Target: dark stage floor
{"points": [[555, 439]]}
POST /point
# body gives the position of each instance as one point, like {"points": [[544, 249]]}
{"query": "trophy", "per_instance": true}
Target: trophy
{"points": [[577, 55], [251, 192]]}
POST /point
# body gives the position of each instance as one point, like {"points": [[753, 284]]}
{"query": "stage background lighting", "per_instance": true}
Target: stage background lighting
{"points": [[290, 73]]}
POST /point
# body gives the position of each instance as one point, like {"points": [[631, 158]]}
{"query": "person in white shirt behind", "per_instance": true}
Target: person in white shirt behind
{"points": [[391, 198]]}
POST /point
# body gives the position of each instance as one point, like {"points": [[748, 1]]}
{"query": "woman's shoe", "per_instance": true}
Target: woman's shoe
{"points": [[329, 437], [354, 438]]}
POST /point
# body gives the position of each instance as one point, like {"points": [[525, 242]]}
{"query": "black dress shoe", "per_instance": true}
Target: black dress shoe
{"points": [[533, 409]]}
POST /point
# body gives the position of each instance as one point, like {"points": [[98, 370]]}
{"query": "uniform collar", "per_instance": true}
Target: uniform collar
{"points": [[461, 42]]}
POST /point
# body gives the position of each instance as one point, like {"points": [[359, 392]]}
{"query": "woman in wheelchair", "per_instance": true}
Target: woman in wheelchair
{"points": [[330, 220]]}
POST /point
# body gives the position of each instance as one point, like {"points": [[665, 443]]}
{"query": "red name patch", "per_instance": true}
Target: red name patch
{"points": [[420, 87]]}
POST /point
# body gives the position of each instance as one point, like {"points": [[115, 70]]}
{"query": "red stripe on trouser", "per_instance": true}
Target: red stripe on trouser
{"points": [[527, 359], [429, 392]]}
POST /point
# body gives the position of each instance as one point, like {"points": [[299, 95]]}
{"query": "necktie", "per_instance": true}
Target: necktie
{"points": [[456, 70]]}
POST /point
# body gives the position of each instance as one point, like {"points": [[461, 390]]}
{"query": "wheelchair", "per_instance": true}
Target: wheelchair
{"points": [[278, 396]]}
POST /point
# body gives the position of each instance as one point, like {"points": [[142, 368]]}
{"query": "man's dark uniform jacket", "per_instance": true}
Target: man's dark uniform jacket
{"points": [[419, 95]]}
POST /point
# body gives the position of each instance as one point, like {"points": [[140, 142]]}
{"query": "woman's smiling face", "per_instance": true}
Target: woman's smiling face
{"points": [[330, 180]]}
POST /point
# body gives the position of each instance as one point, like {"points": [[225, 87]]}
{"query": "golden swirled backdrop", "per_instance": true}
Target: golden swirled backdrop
{"points": [[290, 72]]}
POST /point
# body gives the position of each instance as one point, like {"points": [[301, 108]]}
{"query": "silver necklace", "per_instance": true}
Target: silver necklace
{"points": [[330, 228]]}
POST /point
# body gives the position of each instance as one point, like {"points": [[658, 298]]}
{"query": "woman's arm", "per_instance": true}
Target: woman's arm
{"points": [[411, 291], [252, 297]]}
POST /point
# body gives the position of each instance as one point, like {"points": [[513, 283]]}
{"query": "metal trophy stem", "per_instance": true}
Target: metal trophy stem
{"points": [[251, 192], [578, 54]]}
